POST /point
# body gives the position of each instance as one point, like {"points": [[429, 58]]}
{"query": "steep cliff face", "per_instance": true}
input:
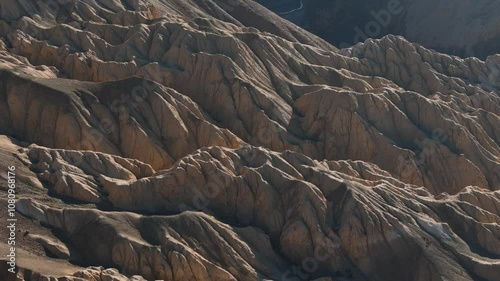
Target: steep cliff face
{"points": [[204, 140]]}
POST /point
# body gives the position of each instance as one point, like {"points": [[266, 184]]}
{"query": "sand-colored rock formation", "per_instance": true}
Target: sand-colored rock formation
{"points": [[194, 140]]}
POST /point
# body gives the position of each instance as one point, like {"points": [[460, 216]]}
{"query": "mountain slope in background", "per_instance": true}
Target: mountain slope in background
{"points": [[212, 140], [461, 28]]}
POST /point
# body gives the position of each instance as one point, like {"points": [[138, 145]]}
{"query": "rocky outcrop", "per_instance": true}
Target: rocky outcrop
{"points": [[446, 107], [189, 246], [91, 273], [342, 212], [154, 125], [190, 140]]}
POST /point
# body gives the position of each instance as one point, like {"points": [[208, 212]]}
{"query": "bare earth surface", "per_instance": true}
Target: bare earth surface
{"points": [[210, 140]]}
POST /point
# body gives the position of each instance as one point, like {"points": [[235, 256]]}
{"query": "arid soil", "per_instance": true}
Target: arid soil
{"points": [[212, 140]]}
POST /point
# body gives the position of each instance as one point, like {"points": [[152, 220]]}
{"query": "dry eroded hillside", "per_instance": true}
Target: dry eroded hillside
{"points": [[211, 140]]}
